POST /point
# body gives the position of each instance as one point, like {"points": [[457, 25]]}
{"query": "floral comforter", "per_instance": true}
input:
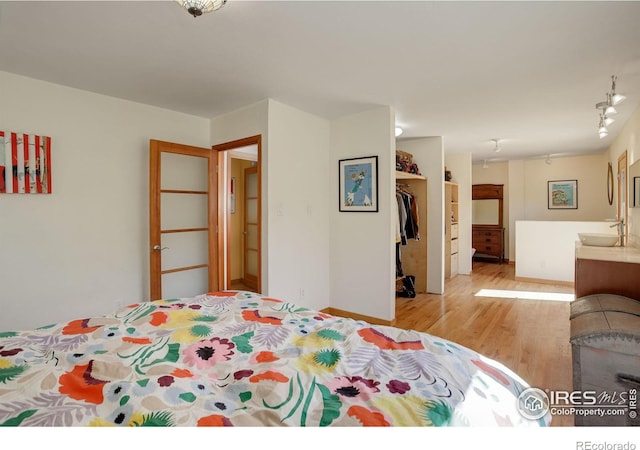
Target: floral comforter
{"points": [[241, 359]]}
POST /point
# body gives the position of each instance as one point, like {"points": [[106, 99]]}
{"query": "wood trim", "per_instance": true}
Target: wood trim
{"points": [[155, 269], [238, 143], [543, 281], [623, 166], [222, 216], [156, 148], [178, 191], [184, 230], [356, 316], [182, 269]]}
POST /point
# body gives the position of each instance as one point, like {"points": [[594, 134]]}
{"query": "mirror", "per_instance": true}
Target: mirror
{"points": [[485, 212], [634, 185], [486, 205]]}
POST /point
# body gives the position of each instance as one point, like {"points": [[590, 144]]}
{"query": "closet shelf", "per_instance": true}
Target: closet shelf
{"points": [[408, 176]]}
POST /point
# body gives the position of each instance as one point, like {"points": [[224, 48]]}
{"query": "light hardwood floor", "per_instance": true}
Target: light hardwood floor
{"points": [[531, 337]]}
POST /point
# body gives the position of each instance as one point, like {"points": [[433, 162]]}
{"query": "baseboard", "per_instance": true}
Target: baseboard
{"points": [[543, 281], [356, 316]]}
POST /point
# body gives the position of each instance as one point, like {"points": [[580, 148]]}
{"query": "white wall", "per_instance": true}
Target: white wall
{"points": [[78, 251], [526, 190], [299, 191], [362, 250], [591, 173], [460, 166], [251, 120], [428, 153], [517, 203], [629, 140], [546, 250]]}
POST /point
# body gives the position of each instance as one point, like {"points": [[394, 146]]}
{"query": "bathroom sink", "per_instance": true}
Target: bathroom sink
{"points": [[598, 239]]}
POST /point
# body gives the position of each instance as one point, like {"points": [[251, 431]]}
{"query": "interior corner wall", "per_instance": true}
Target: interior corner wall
{"points": [[517, 202], [83, 249], [362, 243], [628, 139], [428, 153], [460, 166], [299, 191], [590, 171]]}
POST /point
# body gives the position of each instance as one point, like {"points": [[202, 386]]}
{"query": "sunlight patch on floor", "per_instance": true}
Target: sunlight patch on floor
{"points": [[526, 295]]}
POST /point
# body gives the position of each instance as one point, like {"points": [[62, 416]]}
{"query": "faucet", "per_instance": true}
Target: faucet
{"points": [[620, 225]]}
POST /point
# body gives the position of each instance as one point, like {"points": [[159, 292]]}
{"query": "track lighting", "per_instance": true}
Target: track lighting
{"points": [[616, 99], [602, 130], [607, 108]]}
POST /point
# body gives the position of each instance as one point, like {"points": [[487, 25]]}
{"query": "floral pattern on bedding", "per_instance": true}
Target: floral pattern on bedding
{"points": [[241, 359]]}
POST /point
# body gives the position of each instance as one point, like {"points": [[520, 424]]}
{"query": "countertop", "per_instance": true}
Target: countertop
{"points": [[627, 254]]}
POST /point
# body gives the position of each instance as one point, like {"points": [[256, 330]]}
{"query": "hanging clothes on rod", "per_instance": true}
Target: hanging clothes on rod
{"points": [[407, 214], [407, 226]]}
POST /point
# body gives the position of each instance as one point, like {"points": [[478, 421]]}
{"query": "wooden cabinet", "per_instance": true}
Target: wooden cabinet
{"points": [[488, 240], [451, 229], [487, 230]]}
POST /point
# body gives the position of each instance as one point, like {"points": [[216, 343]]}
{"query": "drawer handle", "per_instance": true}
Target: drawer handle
{"points": [[488, 240], [487, 248]]}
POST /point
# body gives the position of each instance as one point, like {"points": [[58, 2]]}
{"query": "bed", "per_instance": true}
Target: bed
{"points": [[243, 359]]}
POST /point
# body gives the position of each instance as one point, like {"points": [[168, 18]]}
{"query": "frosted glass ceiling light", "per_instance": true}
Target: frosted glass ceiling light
{"points": [[198, 7], [608, 121], [602, 130]]}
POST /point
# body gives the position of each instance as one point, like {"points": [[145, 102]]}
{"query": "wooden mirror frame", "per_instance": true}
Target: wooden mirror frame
{"points": [[489, 192], [610, 184]]}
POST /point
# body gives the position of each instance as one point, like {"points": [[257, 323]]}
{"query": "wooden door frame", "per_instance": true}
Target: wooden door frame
{"points": [[155, 233], [222, 214], [246, 280], [624, 163]]}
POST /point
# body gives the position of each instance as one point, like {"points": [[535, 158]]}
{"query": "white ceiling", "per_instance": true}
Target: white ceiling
{"points": [[527, 73]]}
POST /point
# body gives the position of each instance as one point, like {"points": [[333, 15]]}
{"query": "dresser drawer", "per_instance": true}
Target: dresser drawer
{"points": [[454, 231], [489, 249], [486, 238], [454, 246]]}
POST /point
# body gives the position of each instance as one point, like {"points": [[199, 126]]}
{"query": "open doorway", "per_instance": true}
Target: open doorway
{"points": [[239, 214]]}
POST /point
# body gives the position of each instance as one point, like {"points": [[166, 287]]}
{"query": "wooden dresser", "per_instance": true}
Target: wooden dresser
{"points": [[487, 229], [488, 240]]}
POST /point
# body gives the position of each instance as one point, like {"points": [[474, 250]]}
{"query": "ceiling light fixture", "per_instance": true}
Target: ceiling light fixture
{"points": [[198, 7], [616, 99], [399, 131], [548, 160], [497, 148], [485, 166], [607, 108], [602, 130]]}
